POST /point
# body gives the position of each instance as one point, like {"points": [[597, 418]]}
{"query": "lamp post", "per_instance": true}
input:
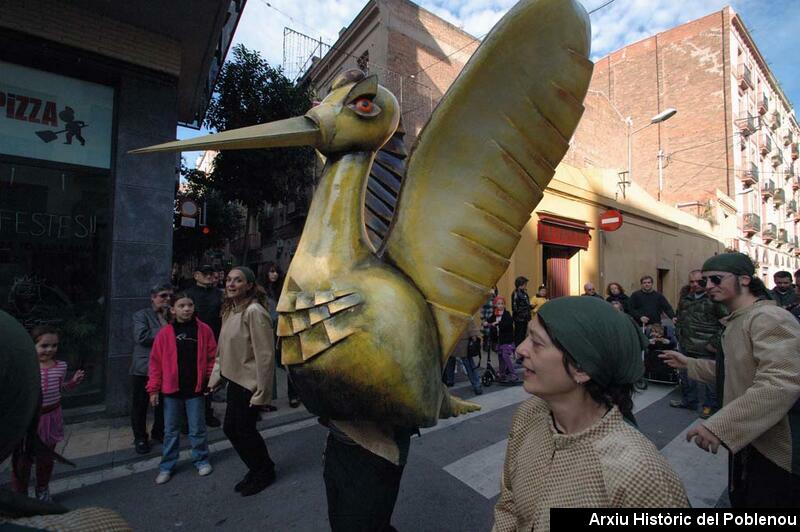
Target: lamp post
{"points": [[664, 115]]}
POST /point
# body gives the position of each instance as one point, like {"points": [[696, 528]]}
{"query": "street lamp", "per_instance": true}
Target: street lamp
{"points": [[664, 115]]}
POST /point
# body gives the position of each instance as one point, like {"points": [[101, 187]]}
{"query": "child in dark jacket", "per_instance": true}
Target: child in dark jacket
{"points": [[181, 363], [503, 334]]}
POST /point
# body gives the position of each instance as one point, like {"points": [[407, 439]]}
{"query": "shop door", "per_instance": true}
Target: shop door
{"points": [[556, 269]]}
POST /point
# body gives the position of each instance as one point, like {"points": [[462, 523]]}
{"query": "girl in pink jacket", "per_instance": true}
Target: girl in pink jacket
{"points": [[181, 362]]}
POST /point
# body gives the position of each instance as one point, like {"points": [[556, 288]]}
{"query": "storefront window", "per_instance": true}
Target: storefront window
{"points": [[54, 239]]}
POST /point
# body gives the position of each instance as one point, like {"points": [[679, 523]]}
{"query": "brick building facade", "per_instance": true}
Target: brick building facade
{"points": [[734, 135]]}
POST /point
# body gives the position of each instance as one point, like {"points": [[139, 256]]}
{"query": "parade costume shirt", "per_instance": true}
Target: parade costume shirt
{"points": [[610, 464], [762, 384]]}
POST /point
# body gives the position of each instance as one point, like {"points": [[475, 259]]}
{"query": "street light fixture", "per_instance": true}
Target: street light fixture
{"points": [[664, 115]]}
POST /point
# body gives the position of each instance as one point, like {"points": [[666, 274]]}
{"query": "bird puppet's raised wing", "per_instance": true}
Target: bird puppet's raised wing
{"points": [[482, 163]]}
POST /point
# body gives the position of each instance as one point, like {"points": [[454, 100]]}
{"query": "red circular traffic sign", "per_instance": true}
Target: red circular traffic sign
{"points": [[611, 220]]}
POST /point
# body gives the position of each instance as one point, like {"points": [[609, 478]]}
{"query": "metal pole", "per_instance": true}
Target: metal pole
{"points": [[630, 157], [660, 172]]}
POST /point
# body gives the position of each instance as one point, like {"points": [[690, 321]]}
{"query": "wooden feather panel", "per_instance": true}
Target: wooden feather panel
{"points": [[481, 164]]}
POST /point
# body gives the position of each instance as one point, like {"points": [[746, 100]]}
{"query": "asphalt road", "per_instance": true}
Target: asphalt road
{"points": [[450, 483]]}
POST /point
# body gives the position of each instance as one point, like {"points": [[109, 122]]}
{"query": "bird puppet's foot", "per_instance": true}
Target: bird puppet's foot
{"points": [[453, 406]]}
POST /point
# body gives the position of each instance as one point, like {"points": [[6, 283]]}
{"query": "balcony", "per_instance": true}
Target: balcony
{"points": [[747, 124], [796, 183], [764, 143], [253, 241], [769, 233], [788, 171], [787, 136], [783, 237], [744, 77], [778, 197], [791, 208], [763, 104], [774, 119], [777, 156], [768, 189], [752, 223], [750, 176], [795, 151]]}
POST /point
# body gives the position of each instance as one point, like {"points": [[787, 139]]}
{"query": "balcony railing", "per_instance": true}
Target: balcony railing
{"points": [[750, 175], [777, 156], [747, 124], [783, 237], [768, 188], [795, 150], [796, 183], [769, 233], [764, 143], [752, 223], [774, 119], [791, 208], [787, 136], [763, 104], [779, 197], [744, 77], [788, 170]]}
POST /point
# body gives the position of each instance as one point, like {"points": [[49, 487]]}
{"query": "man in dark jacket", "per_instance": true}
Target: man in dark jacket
{"points": [[521, 309], [647, 305], [783, 293], [207, 300], [146, 324], [699, 330]]}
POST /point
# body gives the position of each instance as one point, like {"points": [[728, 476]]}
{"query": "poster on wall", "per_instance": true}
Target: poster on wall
{"points": [[54, 118]]}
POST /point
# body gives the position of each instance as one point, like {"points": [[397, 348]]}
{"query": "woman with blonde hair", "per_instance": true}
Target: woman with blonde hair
{"points": [[246, 358]]}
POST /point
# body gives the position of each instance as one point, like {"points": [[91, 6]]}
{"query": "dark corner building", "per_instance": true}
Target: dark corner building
{"points": [[86, 228]]}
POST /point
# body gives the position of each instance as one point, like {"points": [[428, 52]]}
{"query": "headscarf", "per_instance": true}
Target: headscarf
{"points": [[248, 273], [736, 263], [605, 343]]}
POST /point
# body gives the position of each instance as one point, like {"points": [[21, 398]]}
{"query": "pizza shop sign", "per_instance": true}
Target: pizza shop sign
{"points": [[54, 118]]}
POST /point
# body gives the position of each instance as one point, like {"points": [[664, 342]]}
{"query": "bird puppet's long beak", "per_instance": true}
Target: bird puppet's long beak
{"points": [[299, 131]]}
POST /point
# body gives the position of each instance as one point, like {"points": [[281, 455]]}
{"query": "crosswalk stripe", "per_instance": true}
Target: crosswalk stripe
{"points": [[482, 469]]}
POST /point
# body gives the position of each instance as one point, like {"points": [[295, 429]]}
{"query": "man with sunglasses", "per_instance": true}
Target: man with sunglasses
{"points": [[759, 422], [146, 324], [698, 328]]}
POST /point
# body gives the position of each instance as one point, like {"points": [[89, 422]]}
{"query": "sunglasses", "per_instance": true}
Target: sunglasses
{"points": [[715, 279]]}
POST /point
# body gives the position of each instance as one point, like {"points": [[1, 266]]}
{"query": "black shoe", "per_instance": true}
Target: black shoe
{"points": [[294, 402], [258, 483], [677, 403], [142, 447], [242, 483], [213, 422]]}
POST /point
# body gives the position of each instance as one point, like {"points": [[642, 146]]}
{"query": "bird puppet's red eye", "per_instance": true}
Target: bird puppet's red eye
{"points": [[364, 105]]}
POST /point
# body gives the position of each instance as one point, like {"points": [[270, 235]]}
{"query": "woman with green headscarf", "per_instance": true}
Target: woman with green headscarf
{"points": [[572, 444]]}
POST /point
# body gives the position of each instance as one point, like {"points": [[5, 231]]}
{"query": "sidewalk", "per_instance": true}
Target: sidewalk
{"points": [[103, 447], [108, 442]]}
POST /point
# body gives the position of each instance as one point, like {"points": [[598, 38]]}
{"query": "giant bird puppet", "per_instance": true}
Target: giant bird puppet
{"points": [[399, 252]]}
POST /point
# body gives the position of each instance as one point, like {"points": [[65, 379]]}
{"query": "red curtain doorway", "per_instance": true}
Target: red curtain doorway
{"points": [[556, 269]]}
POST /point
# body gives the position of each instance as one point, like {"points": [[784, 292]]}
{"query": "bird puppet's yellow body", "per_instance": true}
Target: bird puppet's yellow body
{"points": [[386, 276]]}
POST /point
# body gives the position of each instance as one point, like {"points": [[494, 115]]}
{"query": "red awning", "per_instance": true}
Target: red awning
{"points": [[563, 232]]}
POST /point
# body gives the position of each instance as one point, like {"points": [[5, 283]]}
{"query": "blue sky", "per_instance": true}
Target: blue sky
{"points": [[774, 25]]}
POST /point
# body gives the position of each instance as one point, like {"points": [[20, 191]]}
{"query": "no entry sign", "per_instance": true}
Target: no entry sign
{"points": [[610, 220]]}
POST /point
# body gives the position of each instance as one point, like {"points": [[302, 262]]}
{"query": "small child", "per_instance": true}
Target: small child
{"points": [[53, 376], [503, 326], [181, 362]]}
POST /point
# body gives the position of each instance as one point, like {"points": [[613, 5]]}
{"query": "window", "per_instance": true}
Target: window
{"points": [[54, 238]]}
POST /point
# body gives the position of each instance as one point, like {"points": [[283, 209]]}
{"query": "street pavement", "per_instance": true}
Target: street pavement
{"points": [[451, 481]]}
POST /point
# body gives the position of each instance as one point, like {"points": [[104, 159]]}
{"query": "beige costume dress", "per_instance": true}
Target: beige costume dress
{"points": [[610, 464]]}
